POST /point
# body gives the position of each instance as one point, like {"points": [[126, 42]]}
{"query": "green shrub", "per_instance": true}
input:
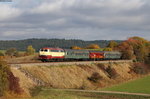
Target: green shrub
{"points": [[140, 68], [95, 77], [111, 72], [35, 90], [1, 54], [101, 66]]}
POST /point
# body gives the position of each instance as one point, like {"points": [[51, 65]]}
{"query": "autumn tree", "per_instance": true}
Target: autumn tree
{"points": [[11, 52], [93, 46], [30, 50], [141, 47], [107, 49], [148, 59], [112, 44], [135, 48], [127, 50], [3, 77], [8, 82]]}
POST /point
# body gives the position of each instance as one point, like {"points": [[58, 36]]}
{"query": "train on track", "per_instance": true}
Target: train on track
{"points": [[58, 54]]}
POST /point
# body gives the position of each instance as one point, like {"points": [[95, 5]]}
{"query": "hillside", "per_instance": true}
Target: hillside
{"points": [[90, 76], [39, 43]]}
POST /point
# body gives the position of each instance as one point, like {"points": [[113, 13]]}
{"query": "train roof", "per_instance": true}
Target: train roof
{"points": [[103, 51], [76, 50], [82, 50], [51, 48]]}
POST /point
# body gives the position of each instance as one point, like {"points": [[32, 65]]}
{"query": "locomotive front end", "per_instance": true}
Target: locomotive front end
{"points": [[51, 54]]}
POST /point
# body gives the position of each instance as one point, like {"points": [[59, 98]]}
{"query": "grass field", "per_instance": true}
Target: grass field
{"points": [[60, 94], [141, 85], [3, 51]]}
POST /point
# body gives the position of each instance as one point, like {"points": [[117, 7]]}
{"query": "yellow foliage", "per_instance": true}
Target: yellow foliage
{"points": [[93, 46], [76, 47], [107, 49], [30, 50], [112, 44]]}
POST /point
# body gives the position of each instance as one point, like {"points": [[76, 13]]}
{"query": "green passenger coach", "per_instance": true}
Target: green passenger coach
{"points": [[76, 54], [112, 55]]}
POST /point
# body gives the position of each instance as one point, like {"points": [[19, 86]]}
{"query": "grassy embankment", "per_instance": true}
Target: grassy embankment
{"points": [[138, 86], [76, 77]]}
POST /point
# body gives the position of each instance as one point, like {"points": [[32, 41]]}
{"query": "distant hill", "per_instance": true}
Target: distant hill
{"points": [[39, 43]]}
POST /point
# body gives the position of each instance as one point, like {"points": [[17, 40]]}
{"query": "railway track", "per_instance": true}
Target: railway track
{"points": [[65, 63]]}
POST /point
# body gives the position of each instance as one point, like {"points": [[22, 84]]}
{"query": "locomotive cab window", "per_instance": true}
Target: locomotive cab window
{"points": [[45, 50]]}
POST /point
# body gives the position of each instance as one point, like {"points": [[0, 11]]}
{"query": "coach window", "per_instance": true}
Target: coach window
{"points": [[61, 51]]}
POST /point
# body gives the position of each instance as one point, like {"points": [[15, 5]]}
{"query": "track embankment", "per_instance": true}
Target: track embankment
{"points": [[87, 75], [68, 63]]}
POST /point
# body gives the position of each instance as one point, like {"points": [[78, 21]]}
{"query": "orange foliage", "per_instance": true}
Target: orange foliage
{"points": [[127, 50], [112, 44], [135, 46]]}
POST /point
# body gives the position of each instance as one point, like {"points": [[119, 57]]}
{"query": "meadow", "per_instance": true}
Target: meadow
{"points": [[3, 51], [141, 85]]}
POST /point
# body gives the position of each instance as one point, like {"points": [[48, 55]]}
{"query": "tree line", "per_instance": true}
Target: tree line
{"points": [[134, 48], [13, 52], [21, 45]]}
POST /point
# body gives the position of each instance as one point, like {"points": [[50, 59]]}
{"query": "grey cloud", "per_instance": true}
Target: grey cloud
{"points": [[77, 19]]}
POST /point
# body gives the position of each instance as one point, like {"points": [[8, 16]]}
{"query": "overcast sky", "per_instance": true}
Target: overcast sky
{"points": [[75, 19]]}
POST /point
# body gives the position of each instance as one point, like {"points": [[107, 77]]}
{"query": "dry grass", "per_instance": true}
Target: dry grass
{"points": [[76, 76], [60, 77], [31, 58]]}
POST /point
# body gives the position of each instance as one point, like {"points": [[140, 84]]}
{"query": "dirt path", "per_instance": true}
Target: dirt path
{"points": [[108, 92]]}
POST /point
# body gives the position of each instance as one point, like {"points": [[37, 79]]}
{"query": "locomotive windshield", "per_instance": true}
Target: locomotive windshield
{"points": [[44, 50]]}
